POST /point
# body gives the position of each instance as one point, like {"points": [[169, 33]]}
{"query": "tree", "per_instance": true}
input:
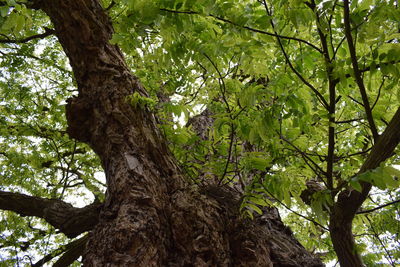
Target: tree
{"points": [[298, 109]]}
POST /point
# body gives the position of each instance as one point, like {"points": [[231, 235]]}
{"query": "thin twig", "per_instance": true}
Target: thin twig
{"points": [[232, 136], [295, 212], [244, 27], [379, 207], [376, 235], [221, 82], [379, 93], [304, 155], [320, 97], [355, 100]]}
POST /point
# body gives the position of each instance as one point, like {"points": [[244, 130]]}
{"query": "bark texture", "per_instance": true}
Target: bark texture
{"points": [[151, 216]]}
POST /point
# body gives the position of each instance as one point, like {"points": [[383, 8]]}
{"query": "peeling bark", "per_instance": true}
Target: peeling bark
{"points": [[69, 220], [152, 216]]}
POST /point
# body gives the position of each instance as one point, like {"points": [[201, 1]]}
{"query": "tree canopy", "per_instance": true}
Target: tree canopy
{"points": [[294, 104]]}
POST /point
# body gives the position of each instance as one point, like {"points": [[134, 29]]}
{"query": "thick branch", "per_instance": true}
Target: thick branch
{"points": [[385, 146], [69, 220]]}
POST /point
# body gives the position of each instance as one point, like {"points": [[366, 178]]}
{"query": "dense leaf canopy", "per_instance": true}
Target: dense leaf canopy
{"points": [[275, 98]]}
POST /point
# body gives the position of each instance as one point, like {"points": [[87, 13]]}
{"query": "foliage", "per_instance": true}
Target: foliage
{"points": [[263, 69]]}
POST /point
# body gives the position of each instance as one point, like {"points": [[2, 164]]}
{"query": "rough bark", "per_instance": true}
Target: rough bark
{"points": [[151, 216], [69, 220], [349, 201]]}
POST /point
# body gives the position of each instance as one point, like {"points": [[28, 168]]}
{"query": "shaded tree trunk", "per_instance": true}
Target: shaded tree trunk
{"points": [[151, 216]]}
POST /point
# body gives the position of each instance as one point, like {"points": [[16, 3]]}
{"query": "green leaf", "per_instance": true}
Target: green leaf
{"points": [[19, 23], [342, 52], [258, 200], [259, 163], [355, 184], [255, 208], [4, 11]]}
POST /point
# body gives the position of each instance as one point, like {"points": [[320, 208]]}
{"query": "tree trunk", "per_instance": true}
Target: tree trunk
{"points": [[349, 201], [151, 216]]}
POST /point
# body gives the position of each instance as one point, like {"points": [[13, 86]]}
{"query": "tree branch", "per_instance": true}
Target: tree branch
{"points": [[74, 250], [244, 27], [232, 136], [348, 75], [221, 83], [69, 220], [332, 98], [379, 93], [293, 211], [71, 251], [376, 235], [357, 73], [379, 207], [320, 97], [47, 32], [306, 158], [350, 200]]}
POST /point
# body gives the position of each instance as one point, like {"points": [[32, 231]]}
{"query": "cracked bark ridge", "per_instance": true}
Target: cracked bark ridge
{"points": [[151, 216], [69, 220]]}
